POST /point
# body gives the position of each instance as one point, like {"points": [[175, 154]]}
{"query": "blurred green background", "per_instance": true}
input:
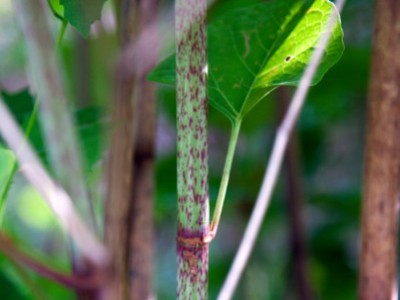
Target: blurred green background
{"points": [[330, 138]]}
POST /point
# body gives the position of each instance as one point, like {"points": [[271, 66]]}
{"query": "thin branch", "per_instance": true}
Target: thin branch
{"points": [[57, 199], [14, 168], [378, 273], [73, 282], [294, 194], [274, 165], [28, 130]]}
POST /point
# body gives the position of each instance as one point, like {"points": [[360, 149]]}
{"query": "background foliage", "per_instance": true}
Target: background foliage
{"points": [[330, 137]]}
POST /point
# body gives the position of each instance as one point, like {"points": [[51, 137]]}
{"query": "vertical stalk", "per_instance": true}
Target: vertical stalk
{"points": [[141, 216], [192, 150], [119, 181], [45, 76], [294, 193], [27, 133], [378, 272], [120, 164], [46, 81]]}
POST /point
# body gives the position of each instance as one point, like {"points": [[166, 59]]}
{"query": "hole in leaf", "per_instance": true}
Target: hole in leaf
{"points": [[288, 58]]}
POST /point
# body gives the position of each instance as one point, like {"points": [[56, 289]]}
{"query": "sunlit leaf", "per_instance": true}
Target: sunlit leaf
{"points": [[254, 49], [57, 8]]}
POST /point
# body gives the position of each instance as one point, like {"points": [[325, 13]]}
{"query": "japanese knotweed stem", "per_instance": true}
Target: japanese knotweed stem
{"points": [[192, 148]]}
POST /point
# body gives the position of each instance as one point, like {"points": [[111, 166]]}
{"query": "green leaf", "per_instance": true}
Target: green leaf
{"points": [[57, 8], [81, 14], [256, 48], [21, 105], [9, 289], [165, 71], [90, 123]]}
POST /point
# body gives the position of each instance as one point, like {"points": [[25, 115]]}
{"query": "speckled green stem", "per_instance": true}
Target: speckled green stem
{"points": [[192, 152]]}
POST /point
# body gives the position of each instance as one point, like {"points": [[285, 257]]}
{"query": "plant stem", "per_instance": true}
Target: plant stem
{"points": [[294, 195], [57, 124], [274, 164], [64, 26], [192, 149], [56, 198], [224, 181], [27, 133], [378, 277], [141, 224], [18, 257], [120, 162], [7, 187]]}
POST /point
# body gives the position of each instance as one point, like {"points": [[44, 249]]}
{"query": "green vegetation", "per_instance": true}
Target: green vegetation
{"points": [[254, 48]]}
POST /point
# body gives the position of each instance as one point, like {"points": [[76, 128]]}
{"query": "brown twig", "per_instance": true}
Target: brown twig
{"points": [[89, 282], [120, 168], [294, 195], [139, 49], [378, 261], [141, 216]]}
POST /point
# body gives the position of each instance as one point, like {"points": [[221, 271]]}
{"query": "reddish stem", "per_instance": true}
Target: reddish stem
{"points": [[77, 282]]}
